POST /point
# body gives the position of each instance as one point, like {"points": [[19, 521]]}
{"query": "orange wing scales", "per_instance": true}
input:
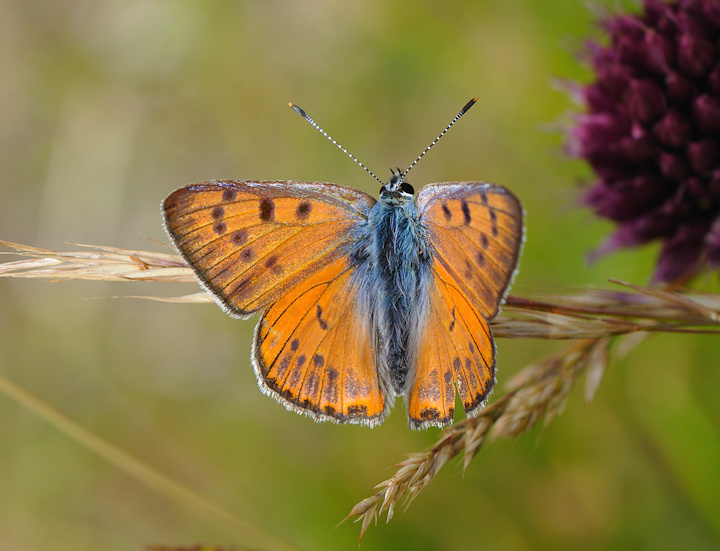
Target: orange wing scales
{"points": [[250, 242], [477, 232], [457, 352], [313, 350]]}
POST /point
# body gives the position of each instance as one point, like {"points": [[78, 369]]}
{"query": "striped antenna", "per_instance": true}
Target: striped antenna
{"points": [[305, 116], [468, 105]]}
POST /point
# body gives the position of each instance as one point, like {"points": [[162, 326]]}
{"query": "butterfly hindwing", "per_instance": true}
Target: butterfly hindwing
{"points": [[313, 350], [456, 353], [249, 242], [476, 231]]}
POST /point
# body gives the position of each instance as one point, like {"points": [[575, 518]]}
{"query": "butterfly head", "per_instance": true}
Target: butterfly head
{"points": [[397, 190]]}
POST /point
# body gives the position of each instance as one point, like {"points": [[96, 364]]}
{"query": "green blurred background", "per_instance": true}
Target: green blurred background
{"points": [[106, 106]]}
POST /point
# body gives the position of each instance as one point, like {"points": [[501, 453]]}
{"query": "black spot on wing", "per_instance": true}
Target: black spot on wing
{"points": [[484, 241], [272, 265], [466, 212], [493, 221], [447, 212], [303, 210], [229, 195], [267, 210], [323, 323], [217, 213], [239, 237]]}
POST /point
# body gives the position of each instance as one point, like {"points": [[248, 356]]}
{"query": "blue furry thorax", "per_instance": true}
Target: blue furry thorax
{"points": [[395, 255]]}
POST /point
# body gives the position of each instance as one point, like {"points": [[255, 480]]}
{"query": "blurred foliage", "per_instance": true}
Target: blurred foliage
{"points": [[107, 106]]}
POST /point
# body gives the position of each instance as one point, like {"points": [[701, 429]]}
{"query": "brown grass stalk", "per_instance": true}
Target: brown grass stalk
{"points": [[574, 315]]}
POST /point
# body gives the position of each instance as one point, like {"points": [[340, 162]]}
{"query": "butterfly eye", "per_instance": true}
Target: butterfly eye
{"points": [[407, 188]]}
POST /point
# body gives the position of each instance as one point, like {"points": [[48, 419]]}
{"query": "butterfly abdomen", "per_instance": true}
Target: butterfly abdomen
{"points": [[399, 260]]}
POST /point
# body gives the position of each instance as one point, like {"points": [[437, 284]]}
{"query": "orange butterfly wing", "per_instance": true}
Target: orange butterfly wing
{"points": [[456, 352], [283, 245], [249, 242], [313, 350], [476, 233]]}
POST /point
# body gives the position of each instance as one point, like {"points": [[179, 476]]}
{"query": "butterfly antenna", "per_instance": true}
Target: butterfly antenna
{"points": [[305, 116], [464, 110]]}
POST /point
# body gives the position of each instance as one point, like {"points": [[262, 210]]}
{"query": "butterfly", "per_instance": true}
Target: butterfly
{"points": [[361, 300]]}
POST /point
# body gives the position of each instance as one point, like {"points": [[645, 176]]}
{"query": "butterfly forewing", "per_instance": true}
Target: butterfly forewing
{"points": [[314, 353], [249, 242], [476, 232]]}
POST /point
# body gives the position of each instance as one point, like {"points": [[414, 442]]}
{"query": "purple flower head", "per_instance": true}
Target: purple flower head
{"points": [[651, 133]]}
